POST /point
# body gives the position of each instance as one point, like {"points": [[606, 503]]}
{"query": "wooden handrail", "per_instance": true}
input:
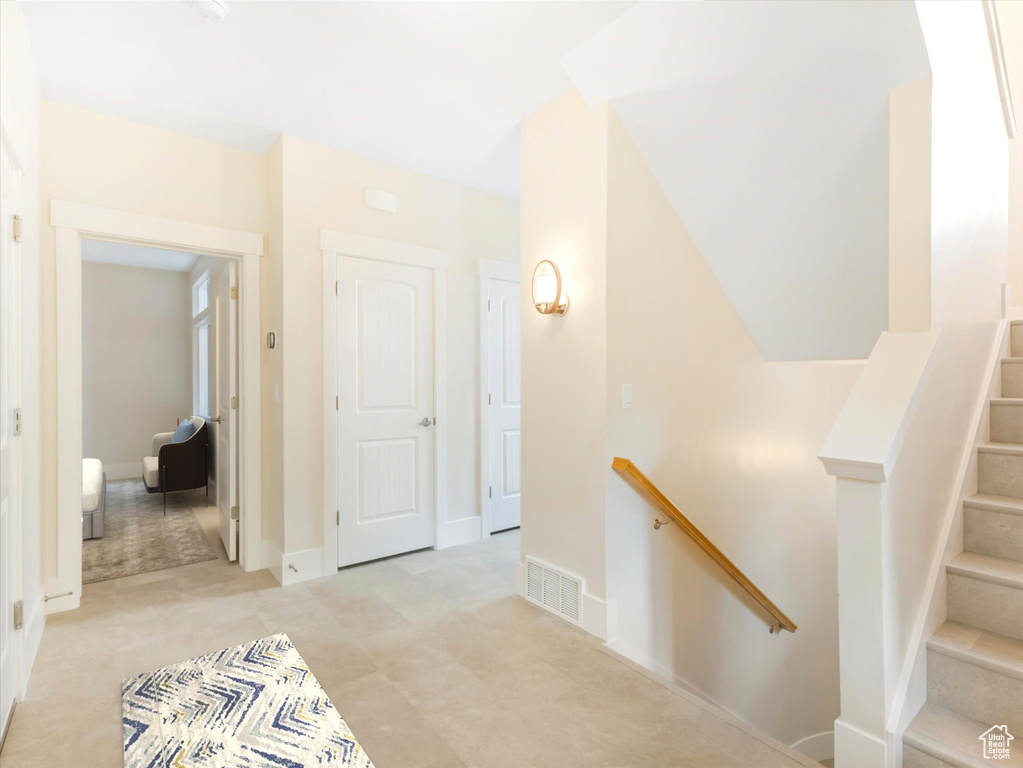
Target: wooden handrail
{"points": [[643, 484]]}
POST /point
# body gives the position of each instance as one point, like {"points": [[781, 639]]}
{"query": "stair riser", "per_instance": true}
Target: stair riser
{"points": [[974, 691], [993, 533], [914, 758], [1000, 474], [1006, 423], [994, 607], [1012, 379], [1016, 340]]}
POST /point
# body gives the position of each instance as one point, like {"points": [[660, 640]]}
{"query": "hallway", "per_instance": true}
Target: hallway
{"points": [[431, 659]]}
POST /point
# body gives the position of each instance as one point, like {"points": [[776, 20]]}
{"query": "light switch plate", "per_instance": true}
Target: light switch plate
{"points": [[626, 395]]}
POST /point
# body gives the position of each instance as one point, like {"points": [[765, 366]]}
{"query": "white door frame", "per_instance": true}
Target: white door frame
{"points": [[334, 243], [22, 649], [73, 222], [497, 270]]}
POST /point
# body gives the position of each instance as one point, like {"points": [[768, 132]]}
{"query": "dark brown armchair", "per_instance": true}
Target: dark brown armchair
{"points": [[180, 466]]}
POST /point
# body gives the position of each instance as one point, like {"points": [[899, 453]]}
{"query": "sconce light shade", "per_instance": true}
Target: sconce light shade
{"points": [[549, 295]]}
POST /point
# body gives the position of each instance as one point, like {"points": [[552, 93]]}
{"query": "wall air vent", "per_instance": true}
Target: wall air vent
{"points": [[555, 590]]}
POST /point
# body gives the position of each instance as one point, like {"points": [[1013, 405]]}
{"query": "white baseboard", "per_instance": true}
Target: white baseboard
{"points": [[35, 623], [272, 559], [820, 746], [674, 684], [464, 531], [65, 603], [855, 747], [131, 471], [300, 566]]}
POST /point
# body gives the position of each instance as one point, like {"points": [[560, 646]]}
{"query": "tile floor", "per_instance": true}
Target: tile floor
{"points": [[431, 658]]}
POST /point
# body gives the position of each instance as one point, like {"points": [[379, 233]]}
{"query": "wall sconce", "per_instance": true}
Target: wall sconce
{"points": [[549, 296]]}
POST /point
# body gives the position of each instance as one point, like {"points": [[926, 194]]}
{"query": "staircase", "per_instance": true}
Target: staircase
{"points": [[975, 659]]}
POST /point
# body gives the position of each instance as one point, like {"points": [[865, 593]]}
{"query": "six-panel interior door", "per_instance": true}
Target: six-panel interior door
{"points": [[385, 451], [505, 439], [8, 465], [225, 436]]}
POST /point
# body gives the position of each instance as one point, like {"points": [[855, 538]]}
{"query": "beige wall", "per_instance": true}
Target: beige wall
{"points": [[324, 188], [909, 207], [564, 359], [98, 160], [271, 276], [1010, 20], [732, 439], [136, 361], [288, 194]]}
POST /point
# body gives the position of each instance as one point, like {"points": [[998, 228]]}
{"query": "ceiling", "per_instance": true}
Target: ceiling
{"points": [[435, 87], [766, 125], [129, 255]]}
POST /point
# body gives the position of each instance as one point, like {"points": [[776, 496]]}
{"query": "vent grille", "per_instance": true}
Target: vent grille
{"points": [[555, 590]]}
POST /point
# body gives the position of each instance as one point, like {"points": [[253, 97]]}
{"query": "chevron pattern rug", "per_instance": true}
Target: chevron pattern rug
{"points": [[256, 705]]}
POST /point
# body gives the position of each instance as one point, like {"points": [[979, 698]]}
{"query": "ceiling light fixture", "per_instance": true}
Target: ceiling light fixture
{"points": [[211, 10]]}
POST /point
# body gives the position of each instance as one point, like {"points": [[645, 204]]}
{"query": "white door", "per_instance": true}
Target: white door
{"points": [[385, 409], [224, 436], [9, 466], [505, 404]]}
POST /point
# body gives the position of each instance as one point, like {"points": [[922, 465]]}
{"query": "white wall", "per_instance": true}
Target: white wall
{"points": [[19, 115], [136, 361], [290, 193], [728, 436], [969, 210], [732, 440], [766, 125], [323, 187], [1010, 20], [564, 359]]}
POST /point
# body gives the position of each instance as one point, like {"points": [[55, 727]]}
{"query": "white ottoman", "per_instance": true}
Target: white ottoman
{"points": [[94, 498]]}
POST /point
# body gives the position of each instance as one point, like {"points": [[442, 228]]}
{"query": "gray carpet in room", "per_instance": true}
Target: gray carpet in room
{"points": [[137, 538]]}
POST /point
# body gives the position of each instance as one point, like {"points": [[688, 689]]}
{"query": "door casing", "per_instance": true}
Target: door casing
{"points": [[73, 222]]}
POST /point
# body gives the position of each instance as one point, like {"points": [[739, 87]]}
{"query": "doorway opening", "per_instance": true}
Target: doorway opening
{"points": [[75, 226], [159, 439]]}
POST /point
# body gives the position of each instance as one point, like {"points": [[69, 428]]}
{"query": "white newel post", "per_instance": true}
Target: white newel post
{"points": [[860, 452], [860, 729]]}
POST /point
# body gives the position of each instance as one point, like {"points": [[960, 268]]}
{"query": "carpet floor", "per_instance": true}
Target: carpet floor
{"points": [[138, 538]]}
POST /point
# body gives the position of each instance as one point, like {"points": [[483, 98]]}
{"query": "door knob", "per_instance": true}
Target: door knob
{"points": [[427, 421], [215, 421]]}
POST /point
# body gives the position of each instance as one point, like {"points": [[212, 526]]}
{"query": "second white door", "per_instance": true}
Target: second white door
{"points": [[505, 406], [385, 409]]}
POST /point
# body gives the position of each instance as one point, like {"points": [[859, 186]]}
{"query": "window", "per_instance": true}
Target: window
{"points": [[201, 345], [202, 369], [201, 294]]}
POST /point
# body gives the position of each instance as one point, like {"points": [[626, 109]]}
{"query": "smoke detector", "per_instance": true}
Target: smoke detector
{"points": [[211, 10]]}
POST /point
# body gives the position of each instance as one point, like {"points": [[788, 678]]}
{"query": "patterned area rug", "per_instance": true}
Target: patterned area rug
{"points": [[138, 538], [256, 705]]}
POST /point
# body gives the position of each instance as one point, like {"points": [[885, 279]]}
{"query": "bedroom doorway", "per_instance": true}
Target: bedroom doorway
{"points": [[75, 224], [159, 361]]}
